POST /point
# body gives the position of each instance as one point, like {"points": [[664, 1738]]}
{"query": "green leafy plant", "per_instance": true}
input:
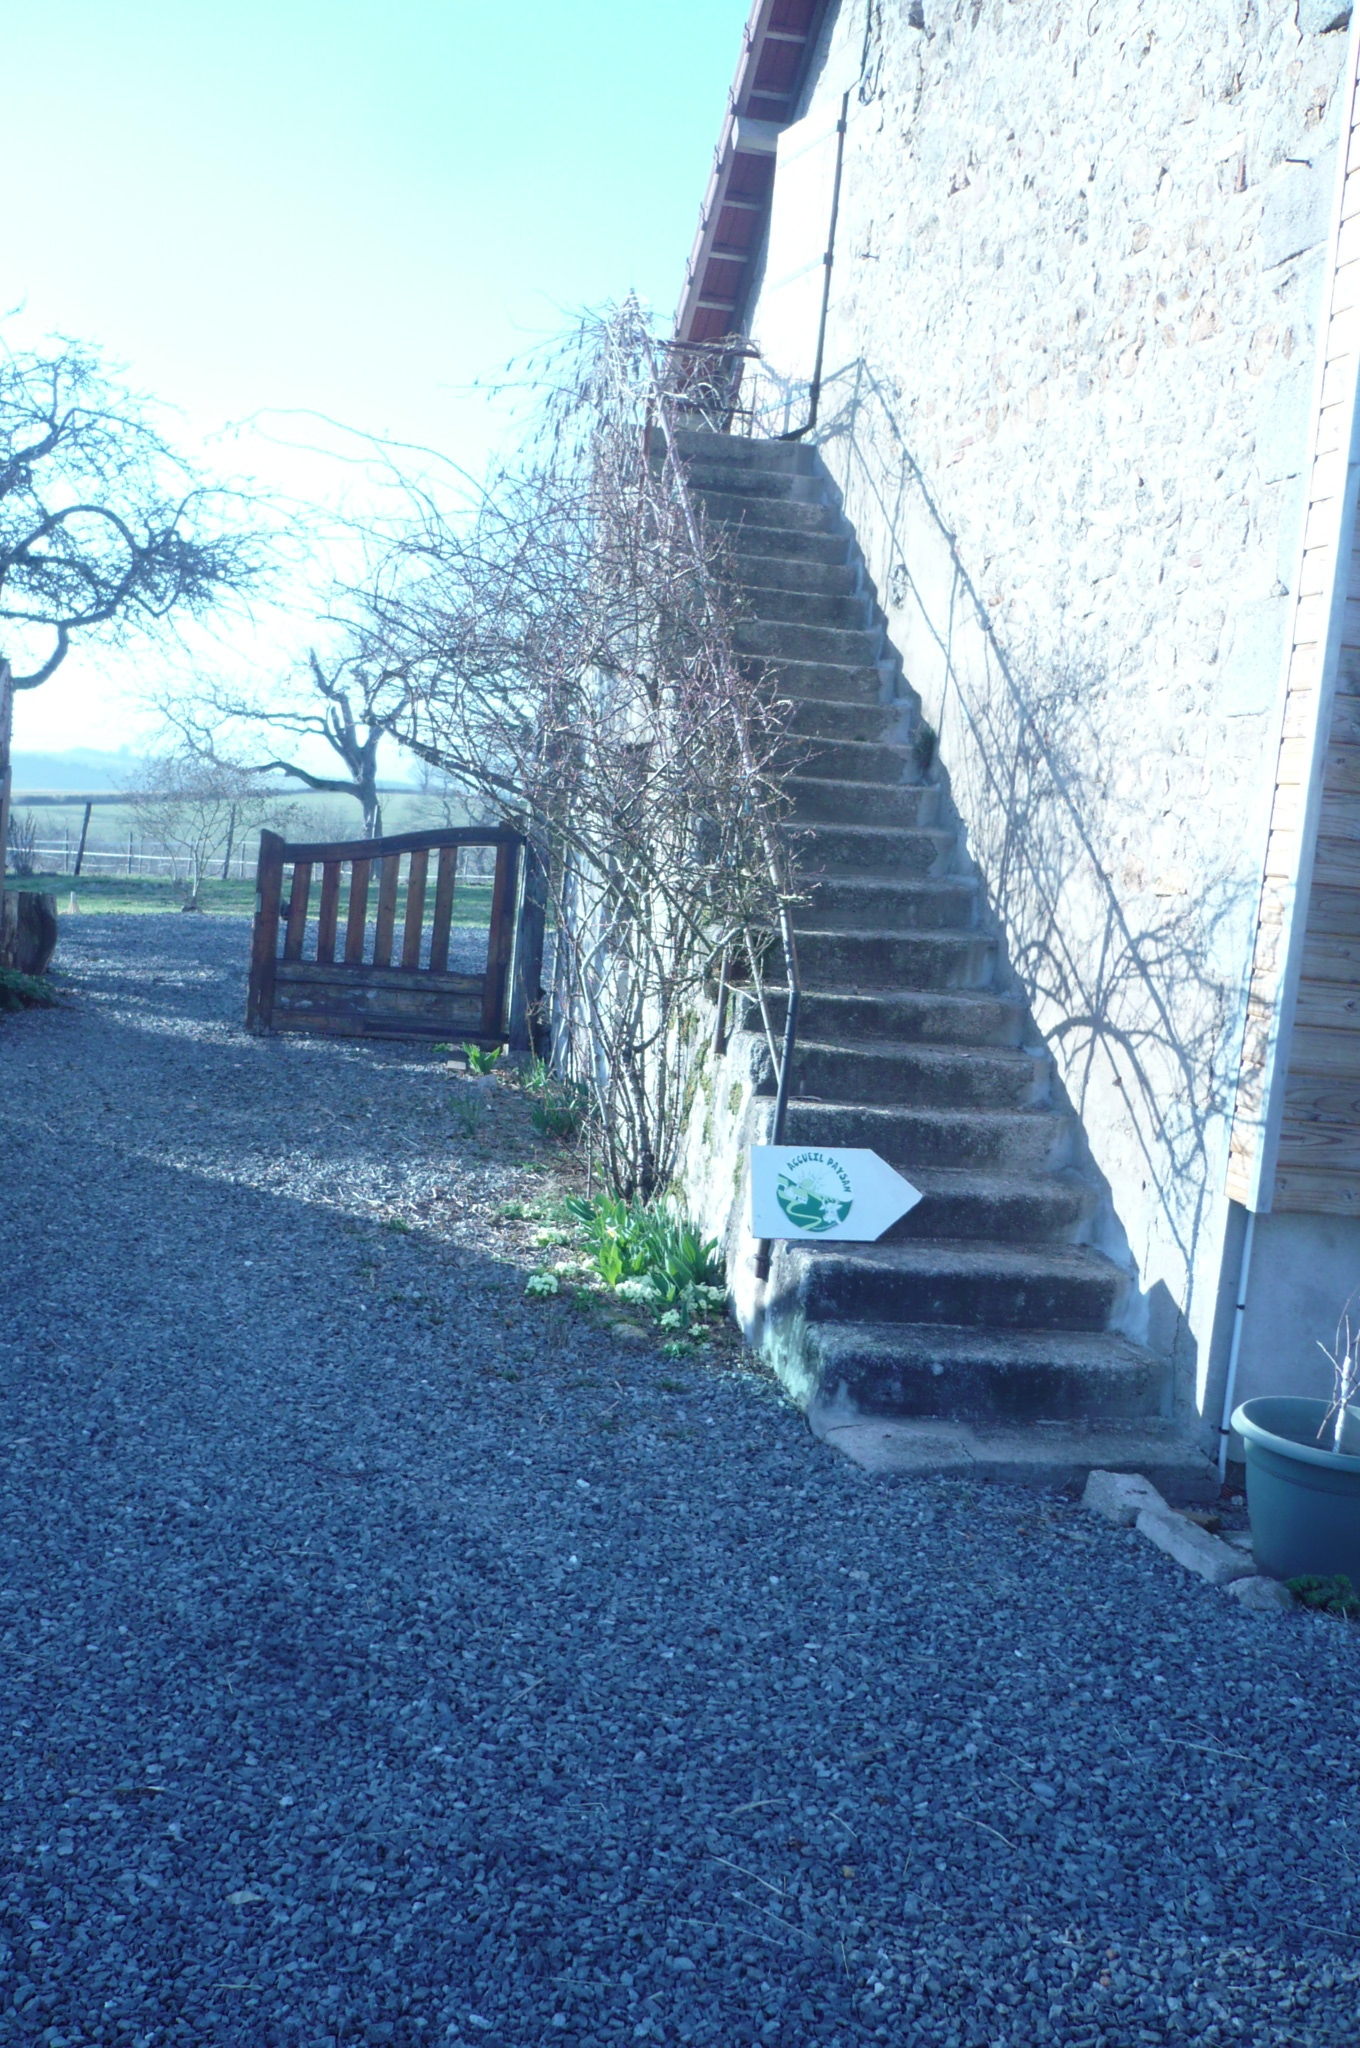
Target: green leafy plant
{"points": [[482, 1059], [652, 1257], [24, 991], [1329, 1596], [542, 1284], [470, 1107], [559, 1111]]}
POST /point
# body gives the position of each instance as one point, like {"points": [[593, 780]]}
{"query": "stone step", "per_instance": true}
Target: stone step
{"points": [[823, 850], [834, 800], [1008, 1141], [792, 572], [985, 1375], [997, 1208], [860, 761], [755, 541], [855, 903], [932, 1016], [725, 479], [968, 1286], [849, 961], [828, 681], [784, 515], [806, 608], [873, 722], [746, 480], [855, 647], [736, 452], [1047, 1455], [935, 1076]]}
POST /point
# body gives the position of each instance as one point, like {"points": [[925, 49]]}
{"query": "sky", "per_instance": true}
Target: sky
{"points": [[334, 206]]}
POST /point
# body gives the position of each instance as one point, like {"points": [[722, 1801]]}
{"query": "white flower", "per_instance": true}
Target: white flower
{"points": [[698, 1329], [671, 1320], [635, 1289], [541, 1283]]}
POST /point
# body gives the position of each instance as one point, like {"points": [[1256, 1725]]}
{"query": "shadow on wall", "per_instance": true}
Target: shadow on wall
{"points": [[1131, 962]]}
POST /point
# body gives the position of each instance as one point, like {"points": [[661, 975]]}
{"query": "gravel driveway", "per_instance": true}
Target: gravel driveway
{"points": [[388, 1658]]}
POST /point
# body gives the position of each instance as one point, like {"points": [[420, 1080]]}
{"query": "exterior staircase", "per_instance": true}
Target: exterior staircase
{"points": [[980, 1333]]}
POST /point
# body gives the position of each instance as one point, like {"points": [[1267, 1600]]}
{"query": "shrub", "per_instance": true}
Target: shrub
{"points": [[24, 991], [1330, 1596]]}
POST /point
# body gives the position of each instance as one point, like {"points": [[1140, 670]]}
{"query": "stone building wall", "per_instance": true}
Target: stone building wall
{"points": [[1069, 368]]}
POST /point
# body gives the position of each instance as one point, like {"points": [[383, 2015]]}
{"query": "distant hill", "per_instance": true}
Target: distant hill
{"points": [[90, 768], [75, 768]]}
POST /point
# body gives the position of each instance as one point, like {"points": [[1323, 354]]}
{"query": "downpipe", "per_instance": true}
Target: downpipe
{"points": [[815, 389], [1239, 1317]]}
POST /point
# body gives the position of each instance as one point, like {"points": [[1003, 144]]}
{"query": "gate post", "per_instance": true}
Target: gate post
{"points": [[500, 939], [264, 944], [526, 990]]}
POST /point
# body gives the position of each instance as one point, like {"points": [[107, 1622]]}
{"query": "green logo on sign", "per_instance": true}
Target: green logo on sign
{"points": [[814, 1192]]}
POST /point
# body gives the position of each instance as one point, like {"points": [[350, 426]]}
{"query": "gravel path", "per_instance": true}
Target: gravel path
{"points": [[388, 1658]]}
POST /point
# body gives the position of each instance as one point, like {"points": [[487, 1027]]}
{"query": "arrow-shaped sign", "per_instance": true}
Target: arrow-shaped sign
{"points": [[812, 1192]]}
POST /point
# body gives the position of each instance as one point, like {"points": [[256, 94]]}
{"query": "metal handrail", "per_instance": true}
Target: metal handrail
{"points": [[662, 400]]}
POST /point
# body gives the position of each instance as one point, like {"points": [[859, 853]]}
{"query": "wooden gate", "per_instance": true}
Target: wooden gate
{"points": [[300, 985]]}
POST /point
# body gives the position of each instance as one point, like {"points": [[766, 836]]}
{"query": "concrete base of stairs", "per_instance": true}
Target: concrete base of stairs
{"points": [[1050, 1454]]}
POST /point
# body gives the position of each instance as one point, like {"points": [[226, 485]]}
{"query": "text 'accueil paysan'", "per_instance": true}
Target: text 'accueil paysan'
{"points": [[808, 1191]]}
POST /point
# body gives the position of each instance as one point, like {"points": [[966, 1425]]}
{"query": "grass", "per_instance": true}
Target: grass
{"points": [[471, 903], [136, 892]]}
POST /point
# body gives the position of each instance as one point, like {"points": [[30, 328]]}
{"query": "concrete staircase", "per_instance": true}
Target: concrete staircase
{"points": [[979, 1333]]}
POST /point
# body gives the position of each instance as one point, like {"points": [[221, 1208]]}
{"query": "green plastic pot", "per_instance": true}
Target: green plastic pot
{"points": [[1303, 1499]]}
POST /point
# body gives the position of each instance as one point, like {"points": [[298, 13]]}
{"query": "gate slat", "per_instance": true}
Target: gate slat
{"points": [[297, 910], [387, 910], [358, 912], [415, 909], [443, 909], [330, 904]]}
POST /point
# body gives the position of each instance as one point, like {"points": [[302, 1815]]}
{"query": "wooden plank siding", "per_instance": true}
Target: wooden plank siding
{"points": [[1317, 1167], [1295, 1140]]}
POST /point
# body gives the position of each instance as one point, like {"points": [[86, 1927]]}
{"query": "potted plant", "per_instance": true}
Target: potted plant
{"points": [[1303, 1472]]}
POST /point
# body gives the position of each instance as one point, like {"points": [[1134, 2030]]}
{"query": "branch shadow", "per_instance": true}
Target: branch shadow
{"points": [[1132, 979]]}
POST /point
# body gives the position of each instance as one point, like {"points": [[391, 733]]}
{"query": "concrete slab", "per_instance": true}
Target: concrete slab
{"points": [[1120, 1497], [1217, 1562], [1041, 1454]]}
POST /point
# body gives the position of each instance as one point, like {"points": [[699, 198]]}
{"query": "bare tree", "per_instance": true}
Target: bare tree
{"points": [[566, 655], [21, 843], [351, 705], [195, 808], [103, 527]]}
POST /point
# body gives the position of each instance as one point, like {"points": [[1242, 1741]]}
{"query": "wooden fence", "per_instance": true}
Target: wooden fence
{"points": [[300, 985]]}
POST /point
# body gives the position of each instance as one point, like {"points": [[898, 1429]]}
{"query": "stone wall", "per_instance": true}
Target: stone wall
{"points": [[1069, 368]]}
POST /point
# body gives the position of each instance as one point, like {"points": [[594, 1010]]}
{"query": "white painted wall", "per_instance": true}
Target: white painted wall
{"points": [[1069, 365]]}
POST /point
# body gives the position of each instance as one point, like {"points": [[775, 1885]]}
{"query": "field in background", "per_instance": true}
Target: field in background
{"points": [[113, 847]]}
